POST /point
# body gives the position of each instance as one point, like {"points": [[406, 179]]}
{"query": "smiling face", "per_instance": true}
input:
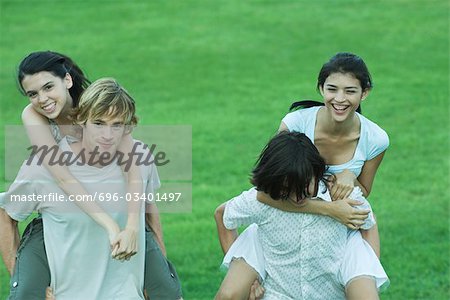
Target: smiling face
{"points": [[342, 94], [49, 94], [103, 135]]}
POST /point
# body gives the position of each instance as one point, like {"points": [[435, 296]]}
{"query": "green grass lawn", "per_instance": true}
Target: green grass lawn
{"points": [[231, 69]]}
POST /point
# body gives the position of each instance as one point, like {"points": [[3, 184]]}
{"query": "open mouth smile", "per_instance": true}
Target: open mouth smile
{"points": [[49, 107], [340, 108]]}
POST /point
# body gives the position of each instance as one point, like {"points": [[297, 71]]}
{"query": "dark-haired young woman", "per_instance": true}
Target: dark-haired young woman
{"points": [[54, 83], [353, 148]]}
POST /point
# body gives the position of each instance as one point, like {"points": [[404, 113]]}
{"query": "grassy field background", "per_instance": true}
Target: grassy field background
{"points": [[231, 69]]}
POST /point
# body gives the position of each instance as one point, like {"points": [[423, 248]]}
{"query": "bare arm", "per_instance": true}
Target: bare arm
{"points": [[342, 211], [152, 219], [346, 180], [367, 176], [127, 239], [9, 240], [226, 236], [40, 135], [134, 180]]}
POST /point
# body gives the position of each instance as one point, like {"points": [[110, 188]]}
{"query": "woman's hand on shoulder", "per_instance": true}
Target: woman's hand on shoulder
{"points": [[344, 212], [256, 291], [342, 185]]}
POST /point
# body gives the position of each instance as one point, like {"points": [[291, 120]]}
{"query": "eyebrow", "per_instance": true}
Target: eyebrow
{"points": [[104, 122], [335, 86], [44, 85]]}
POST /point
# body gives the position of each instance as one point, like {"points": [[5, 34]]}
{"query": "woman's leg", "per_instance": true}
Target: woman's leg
{"points": [[31, 272], [238, 281], [361, 272], [372, 237]]}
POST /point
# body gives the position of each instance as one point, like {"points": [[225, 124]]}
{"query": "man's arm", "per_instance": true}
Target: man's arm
{"points": [[9, 240], [12, 211], [243, 209], [226, 236], [152, 219]]}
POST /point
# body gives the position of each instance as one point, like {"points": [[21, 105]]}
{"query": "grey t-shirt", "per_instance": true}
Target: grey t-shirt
{"points": [[77, 247]]}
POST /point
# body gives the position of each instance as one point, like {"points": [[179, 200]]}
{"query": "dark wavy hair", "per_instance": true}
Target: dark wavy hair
{"points": [[342, 62], [57, 64], [287, 165]]}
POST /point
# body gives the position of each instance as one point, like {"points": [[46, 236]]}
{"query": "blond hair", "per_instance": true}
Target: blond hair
{"points": [[105, 98]]}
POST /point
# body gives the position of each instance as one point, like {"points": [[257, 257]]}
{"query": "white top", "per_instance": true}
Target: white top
{"points": [[372, 139], [78, 250], [303, 252]]}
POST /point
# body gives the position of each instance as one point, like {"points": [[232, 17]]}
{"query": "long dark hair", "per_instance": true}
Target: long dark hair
{"points": [[342, 62], [57, 64], [287, 165]]}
